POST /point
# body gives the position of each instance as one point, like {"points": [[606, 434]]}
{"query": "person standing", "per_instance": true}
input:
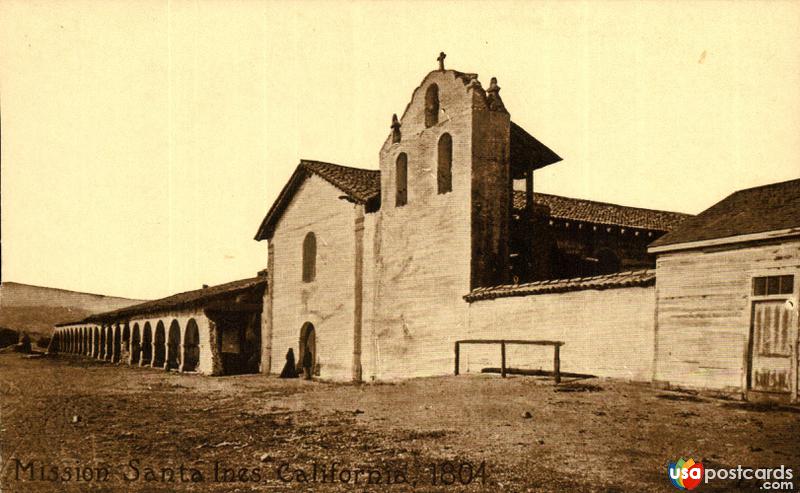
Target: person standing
{"points": [[308, 363], [289, 369]]}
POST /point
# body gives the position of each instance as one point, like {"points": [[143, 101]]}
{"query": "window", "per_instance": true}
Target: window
{"points": [[432, 105], [445, 169], [309, 257], [769, 285], [401, 180]]}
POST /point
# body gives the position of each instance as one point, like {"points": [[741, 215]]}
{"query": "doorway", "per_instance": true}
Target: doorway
{"points": [[238, 340], [770, 355], [308, 343]]}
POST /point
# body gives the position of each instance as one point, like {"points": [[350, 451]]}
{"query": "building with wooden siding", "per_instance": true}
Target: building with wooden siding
{"points": [[726, 296]]}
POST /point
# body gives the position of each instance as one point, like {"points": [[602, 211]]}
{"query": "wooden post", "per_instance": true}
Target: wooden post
{"points": [[358, 294], [557, 363], [456, 359], [503, 359]]}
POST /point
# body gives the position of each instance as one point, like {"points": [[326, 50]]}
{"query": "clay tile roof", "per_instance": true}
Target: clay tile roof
{"points": [[176, 301], [641, 278], [362, 186], [771, 207], [603, 213]]}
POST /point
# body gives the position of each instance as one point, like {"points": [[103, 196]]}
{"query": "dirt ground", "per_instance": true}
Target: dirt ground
{"points": [[73, 424]]}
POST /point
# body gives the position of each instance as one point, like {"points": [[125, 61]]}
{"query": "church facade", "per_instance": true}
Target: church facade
{"points": [[377, 273]]}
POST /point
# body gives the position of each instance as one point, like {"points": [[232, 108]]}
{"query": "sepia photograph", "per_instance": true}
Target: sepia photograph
{"points": [[411, 246]]}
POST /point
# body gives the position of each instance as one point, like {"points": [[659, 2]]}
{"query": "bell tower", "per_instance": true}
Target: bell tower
{"points": [[444, 221], [447, 159], [491, 197]]}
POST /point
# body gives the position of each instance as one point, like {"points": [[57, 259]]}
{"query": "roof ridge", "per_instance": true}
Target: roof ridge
{"points": [[768, 185], [609, 203], [172, 301], [770, 207], [215, 286], [314, 161]]}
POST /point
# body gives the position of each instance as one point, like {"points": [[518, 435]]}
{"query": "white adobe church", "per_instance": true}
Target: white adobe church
{"points": [[380, 272]]}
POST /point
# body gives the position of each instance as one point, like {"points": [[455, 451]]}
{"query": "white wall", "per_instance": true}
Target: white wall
{"points": [[181, 316], [327, 302], [607, 332]]}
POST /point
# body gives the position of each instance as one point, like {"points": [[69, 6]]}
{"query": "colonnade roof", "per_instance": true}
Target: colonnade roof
{"points": [[196, 298]]}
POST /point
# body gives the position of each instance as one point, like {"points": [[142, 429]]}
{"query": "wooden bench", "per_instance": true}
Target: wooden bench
{"points": [[503, 342]]}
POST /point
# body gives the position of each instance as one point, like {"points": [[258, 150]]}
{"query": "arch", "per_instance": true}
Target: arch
{"points": [[444, 170], [69, 340], [102, 352], [136, 344], [401, 180], [109, 342], [83, 340], [308, 343], [309, 257], [96, 343], [126, 337], [191, 346], [147, 345], [173, 346], [116, 348], [431, 105], [159, 345]]}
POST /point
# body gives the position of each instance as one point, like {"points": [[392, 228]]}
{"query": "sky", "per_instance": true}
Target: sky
{"points": [[143, 142]]}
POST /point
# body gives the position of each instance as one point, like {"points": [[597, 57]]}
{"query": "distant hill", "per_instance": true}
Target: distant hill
{"points": [[36, 309]]}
